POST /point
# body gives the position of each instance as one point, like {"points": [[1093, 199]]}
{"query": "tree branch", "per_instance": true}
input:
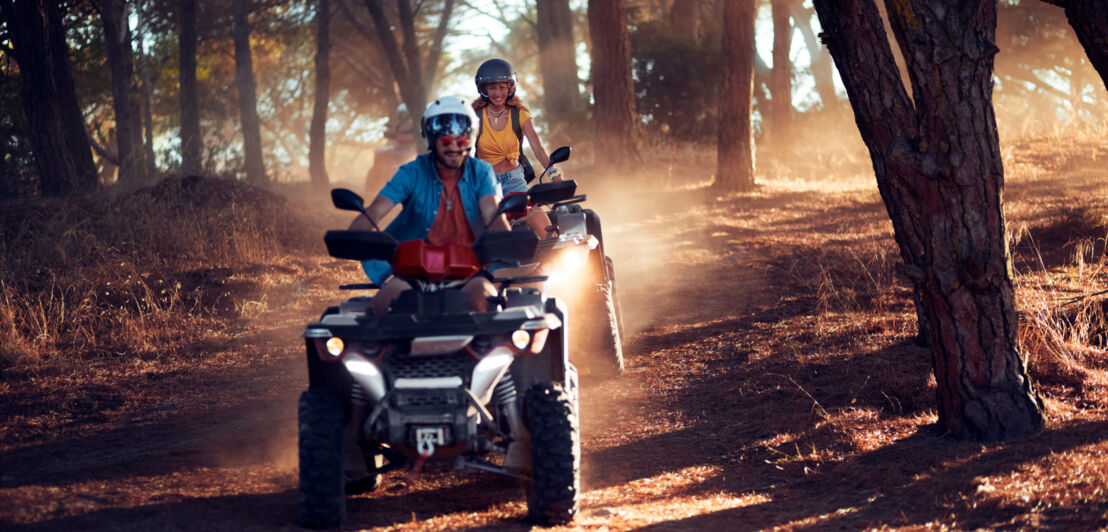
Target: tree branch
{"points": [[411, 43], [389, 45], [435, 52], [101, 150]]}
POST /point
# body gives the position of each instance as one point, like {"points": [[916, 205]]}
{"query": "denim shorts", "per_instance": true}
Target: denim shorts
{"points": [[512, 180]]}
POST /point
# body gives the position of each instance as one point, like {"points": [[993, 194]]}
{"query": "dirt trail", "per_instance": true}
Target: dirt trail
{"points": [[734, 413]]}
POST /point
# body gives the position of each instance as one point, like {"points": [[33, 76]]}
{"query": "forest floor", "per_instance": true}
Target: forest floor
{"points": [[772, 379]]}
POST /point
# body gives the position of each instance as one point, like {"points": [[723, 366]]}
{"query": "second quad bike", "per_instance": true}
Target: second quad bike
{"points": [[434, 381], [580, 271]]}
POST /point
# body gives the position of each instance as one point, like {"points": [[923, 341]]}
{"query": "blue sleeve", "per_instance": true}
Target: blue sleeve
{"points": [[487, 185], [378, 271], [400, 187]]}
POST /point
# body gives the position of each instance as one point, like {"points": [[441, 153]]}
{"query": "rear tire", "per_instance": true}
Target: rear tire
{"points": [[554, 492], [322, 486]]}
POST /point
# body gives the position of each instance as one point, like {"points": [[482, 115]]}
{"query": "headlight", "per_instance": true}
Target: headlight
{"points": [[335, 346], [521, 339]]}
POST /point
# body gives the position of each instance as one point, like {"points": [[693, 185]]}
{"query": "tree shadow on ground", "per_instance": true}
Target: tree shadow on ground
{"points": [[922, 478], [247, 513], [733, 411]]}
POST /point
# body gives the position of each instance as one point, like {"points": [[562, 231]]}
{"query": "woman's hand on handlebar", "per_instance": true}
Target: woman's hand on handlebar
{"points": [[555, 173]]}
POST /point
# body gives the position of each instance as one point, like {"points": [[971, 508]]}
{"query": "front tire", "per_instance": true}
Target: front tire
{"points": [[610, 267], [599, 333], [554, 492], [322, 486]]}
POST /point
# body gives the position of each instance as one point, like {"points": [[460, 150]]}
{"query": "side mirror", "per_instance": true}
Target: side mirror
{"points": [[515, 203], [560, 155], [347, 200]]}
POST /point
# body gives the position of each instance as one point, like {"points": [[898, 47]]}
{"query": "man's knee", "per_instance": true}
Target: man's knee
{"points": [[479, 290], [386, 295]]}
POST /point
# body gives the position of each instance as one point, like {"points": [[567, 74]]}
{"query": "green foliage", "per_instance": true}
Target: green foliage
{"points": [[676, 81]]}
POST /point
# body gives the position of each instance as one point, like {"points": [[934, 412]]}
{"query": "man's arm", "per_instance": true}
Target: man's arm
{"points": [[489, 204], [377, 210]]}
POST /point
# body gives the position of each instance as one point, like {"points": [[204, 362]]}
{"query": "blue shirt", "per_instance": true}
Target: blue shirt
{"points": [[418, 189]]}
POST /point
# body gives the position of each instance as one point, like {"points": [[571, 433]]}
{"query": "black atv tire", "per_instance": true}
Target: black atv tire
{"points": [[322, 486], [554, 491], [610, 266], [599, 330]]}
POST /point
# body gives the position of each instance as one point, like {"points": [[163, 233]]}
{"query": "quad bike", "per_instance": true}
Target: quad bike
{"points": [[432, 382], [579, 269]]}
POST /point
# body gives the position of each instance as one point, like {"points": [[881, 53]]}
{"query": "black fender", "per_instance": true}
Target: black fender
{"points": [[331, 376]]}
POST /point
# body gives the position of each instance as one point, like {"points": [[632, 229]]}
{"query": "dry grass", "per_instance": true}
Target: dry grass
{"points": [[104, 299]]}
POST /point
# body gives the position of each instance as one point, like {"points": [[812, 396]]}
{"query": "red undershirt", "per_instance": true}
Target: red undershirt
{"points": [[451, 224]]}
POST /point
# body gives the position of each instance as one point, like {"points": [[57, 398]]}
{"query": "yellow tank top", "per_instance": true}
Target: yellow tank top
{"points": [[495, 146]]}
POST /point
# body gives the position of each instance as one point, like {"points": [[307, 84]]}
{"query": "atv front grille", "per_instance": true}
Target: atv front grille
{"points": [[457, 364], [427, 398]]}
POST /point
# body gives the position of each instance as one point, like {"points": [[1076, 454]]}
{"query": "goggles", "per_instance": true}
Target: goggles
{"points": [[448, 125]]}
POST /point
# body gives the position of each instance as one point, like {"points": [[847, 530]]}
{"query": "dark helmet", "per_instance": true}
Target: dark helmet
{"points": [[495, 71]]}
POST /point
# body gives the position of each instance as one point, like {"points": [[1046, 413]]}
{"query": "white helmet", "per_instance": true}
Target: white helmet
{"points": [[448, 115]]}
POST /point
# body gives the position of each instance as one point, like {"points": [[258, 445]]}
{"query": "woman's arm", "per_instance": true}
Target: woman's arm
{"points": [[536, 144]]}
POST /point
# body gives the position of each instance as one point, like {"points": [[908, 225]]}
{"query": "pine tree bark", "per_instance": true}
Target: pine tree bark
{"points": [[248, 107], [557, 61], [735, 161], [63, 155], [938, 167], [317, 167], [191, 143], [613, 90], [1089, 20]]}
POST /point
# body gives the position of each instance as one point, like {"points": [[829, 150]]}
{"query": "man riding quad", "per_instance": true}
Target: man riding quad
{"points": [[447, 196]]}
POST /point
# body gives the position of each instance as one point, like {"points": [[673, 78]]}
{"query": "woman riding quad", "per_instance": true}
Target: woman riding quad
{"points": [[504, 120]]}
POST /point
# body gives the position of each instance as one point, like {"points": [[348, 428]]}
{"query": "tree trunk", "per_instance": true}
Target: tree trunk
{"points": [[248, 107], [684, 18], [1089, 20], [735, 162], [557, 62], [191, 143], [821, 60], [63, 156], [613, 91], [122, 74], [147, 96], [317, 167], [938, 167], [780, 78]]}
